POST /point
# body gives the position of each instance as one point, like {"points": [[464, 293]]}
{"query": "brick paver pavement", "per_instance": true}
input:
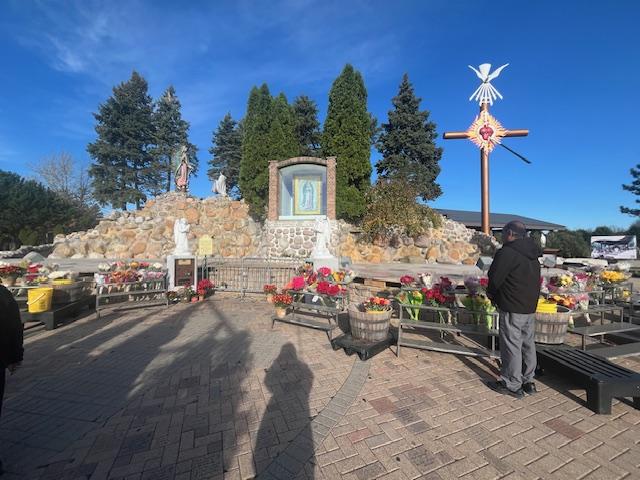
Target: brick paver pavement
{"points": [[210, 391]]}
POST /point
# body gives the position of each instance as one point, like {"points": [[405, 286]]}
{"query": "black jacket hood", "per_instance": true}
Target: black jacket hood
{"points": [[525, 246]]}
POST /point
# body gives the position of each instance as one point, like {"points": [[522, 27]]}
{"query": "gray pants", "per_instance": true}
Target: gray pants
{"points": [[517, 349]]}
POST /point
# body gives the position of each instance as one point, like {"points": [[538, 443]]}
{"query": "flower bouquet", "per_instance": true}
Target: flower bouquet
{"points": [[481, 308], [612, 277], [411, 297], [270, 291], [281, 302], [439, 296], [376, 304]]}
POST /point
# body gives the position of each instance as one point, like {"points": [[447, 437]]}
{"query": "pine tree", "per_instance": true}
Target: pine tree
{"points": [[171, 133], [348, 135], [282, 138], [254, 166], [226, 151], [123, 168], [307, 126], [633, 187], [407, 144]]}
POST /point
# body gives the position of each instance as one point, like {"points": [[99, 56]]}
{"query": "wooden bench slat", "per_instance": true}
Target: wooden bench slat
{"points": [[587, 369], [593, 365]]}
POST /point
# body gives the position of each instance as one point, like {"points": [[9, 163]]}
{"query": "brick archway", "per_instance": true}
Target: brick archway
{"points": [[274, 182]]}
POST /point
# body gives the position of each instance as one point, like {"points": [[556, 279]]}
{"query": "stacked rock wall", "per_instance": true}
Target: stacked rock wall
{"points": [[148, 233], [295, 239], [451, 243]]}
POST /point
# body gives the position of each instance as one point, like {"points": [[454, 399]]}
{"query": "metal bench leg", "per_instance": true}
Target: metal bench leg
{"points": [[399, 339], [597, 400]]}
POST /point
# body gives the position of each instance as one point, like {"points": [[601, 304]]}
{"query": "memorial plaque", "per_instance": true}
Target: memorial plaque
{"points": [[184, 271], [205, 246]]}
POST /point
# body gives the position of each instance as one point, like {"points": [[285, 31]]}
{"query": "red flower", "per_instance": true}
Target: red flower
{"points": [[407, 280], [324, 271], [297, 283], [484, 282]]}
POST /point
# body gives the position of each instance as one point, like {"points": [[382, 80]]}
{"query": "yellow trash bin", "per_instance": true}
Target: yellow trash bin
{"points": [[39, 299]]}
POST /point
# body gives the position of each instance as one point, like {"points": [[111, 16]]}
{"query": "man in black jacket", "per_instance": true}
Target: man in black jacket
{"points": [[514, 286], [11, 332]]}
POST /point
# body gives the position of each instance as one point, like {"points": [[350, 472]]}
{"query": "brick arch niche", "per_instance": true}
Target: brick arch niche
{"points": [[285, 178]]}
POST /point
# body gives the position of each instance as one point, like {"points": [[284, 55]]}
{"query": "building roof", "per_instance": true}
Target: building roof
{"points": [[497, 220]]}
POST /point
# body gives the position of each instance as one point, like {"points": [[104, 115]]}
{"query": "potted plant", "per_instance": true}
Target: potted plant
{"points": [[10, 273], [370, 320], [205, 286], [187, 293], [282, 302], [270, 291]]}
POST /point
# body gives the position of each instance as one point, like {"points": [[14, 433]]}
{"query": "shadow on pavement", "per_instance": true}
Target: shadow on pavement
{"points": [[287, 417], [149, 388]]}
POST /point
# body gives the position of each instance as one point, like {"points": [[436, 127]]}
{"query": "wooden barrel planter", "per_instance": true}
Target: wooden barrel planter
{"points": [[369, 326], [550, 328]]}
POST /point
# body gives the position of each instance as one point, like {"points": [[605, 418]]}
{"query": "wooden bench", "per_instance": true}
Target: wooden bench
{"points": [[313, 315], [602, 379]]}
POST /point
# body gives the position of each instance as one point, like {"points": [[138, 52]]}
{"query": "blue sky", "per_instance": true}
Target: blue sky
{"points": [[572, 80]]}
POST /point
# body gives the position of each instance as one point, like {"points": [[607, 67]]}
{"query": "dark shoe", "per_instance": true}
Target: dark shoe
{"points": [[529, 388], [500, 387]]}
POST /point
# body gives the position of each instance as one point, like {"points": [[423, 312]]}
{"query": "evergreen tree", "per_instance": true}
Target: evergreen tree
{"points": [[124, 168], [30, 211], [254, 166], [347, 135], [226, 151], [633, 187], [171, 133], [282, 138], [407, 144], [307, 126]]}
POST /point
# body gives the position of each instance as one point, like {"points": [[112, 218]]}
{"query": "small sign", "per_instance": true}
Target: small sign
{"points": [[184, 261], [205, 246]]}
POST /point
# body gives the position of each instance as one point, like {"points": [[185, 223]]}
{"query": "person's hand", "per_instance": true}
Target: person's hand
{"points": [[13, 367]]}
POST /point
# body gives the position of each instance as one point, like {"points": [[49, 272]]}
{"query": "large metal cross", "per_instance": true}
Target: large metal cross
{"points": [[486, 132]]}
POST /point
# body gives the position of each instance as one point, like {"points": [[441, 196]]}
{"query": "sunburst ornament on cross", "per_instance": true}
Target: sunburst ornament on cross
{"points": [[486, 132]]}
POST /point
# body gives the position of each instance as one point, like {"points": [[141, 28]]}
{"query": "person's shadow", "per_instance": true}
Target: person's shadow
{"points": [[283, 442]]}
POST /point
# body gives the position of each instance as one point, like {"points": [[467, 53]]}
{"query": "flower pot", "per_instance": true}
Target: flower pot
{"points": [[201, 298], [194, 299], [269, 297], [371, 326], [550, 328], [281, 312], [9, 280]]}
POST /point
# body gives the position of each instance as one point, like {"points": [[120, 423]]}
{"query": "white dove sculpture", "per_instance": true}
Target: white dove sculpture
{"points": [[486, 93]]}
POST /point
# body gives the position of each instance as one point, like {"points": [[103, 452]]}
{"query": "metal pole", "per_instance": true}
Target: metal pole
{"points": [[484, 180]]}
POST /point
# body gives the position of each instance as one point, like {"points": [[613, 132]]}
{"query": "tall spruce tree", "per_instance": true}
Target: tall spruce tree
{"points": [[307, 126], [633, 187], [282, 137], [124, 168], [171, 132], [254, 166], [227, 152], [347, 135], [407, 144]]}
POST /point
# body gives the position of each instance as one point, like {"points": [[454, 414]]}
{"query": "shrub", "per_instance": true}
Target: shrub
{"points": [[570, 244], [392, 209]]}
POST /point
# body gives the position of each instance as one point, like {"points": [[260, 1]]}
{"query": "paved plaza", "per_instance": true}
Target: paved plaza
{"points": [[211, 391]]}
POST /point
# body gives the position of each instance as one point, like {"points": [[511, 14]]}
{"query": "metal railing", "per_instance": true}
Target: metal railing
{"points": [[248, 275]]}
